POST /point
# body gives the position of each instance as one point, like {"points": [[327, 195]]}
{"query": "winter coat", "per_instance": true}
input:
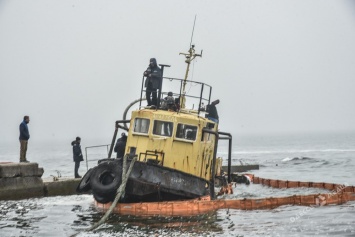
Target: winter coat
{"points": [[24, 133], [120, 146], [153, 81], [77, 154], [212, 111]]}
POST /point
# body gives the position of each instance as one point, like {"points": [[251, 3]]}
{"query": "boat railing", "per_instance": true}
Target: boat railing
{"points": [[98, 155], [198, 93]]}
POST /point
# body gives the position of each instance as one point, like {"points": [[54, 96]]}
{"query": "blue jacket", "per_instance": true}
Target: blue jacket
{"points": [[24, 133]]}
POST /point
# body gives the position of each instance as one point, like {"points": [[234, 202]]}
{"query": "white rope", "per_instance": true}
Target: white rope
{"points": [[119, 192]]}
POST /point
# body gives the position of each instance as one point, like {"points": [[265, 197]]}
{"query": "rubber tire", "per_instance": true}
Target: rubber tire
{"points": [[84, 184], [105, 160], [106, 178]]}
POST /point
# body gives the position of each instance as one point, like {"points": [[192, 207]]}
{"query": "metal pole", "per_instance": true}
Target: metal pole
{"points": [[214, 159], [113, 140], [140, 102], [229, 153], [199, 105], [161, 83]]}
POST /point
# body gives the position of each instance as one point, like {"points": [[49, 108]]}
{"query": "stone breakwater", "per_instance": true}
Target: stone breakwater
{"points": [[23, 180]]}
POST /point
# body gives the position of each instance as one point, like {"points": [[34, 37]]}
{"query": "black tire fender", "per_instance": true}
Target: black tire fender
{"points": [[106, 178], [84, 184]]}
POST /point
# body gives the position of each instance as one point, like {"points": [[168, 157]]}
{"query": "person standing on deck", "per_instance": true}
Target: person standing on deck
{"points": [[212, 111], [120, 146], [77, 155], [24, 137], [152, 82]]}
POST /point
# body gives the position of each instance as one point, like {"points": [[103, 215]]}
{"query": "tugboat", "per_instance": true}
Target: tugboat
{"points": [[175, 147]]}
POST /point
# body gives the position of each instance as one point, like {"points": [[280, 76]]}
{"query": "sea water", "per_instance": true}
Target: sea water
{"points": [[316, 158]]}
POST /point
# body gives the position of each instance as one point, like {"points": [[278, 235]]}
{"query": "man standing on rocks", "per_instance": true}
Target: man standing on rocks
{"points": [[24, 136]]}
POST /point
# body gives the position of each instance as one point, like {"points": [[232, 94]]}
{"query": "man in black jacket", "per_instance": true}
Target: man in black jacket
{"points": [[24, 136], [212, 111], [152, 83], [77, 155], [120, 146]]}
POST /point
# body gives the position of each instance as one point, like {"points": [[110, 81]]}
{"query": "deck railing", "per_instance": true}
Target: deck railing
{"points": [[90, 147]]}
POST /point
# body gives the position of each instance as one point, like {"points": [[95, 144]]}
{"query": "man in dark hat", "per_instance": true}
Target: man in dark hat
{"points": [[152, 82], [77, 155], [24, 137]]}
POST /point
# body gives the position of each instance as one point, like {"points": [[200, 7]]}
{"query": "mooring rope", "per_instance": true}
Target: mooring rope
{"points": [[119, 192]]}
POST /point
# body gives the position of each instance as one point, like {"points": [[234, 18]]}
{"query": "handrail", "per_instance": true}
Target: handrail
{"points": [[86, 153], [229, 138], [204, 87]]}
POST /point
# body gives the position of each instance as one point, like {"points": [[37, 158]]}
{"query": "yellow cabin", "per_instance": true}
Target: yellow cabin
{"points": [[173, 139]]}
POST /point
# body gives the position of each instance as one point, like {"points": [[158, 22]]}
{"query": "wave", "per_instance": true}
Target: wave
{"points": [[296, 158], [290, 151]]}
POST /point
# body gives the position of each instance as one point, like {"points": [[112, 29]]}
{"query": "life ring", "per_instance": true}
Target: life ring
{"points": [[84, 184], [106, 178]]}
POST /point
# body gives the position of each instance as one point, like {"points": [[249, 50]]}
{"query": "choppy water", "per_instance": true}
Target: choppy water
{"points": [[317, 158]]}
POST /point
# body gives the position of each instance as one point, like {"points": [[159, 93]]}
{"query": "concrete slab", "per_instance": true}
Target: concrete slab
{"points": [[63, 186], [20, 188], [20, 170]]}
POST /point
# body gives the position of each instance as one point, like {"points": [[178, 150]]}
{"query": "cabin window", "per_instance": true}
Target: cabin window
{"points": [[187, 132], [141, 125], [163, 128]]}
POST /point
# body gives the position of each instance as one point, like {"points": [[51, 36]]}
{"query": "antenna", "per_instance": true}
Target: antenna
{"points": [[190, 56], [193, 29]]}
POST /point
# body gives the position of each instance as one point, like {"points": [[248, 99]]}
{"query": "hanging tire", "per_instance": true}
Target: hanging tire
{"points": [[84, 184], [106, 178]]}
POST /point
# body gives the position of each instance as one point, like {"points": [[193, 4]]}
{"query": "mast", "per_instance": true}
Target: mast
{"points": [[190, 56]]}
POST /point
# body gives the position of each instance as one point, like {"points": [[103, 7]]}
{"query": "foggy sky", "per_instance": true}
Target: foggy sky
{"points": [[276, 66]]}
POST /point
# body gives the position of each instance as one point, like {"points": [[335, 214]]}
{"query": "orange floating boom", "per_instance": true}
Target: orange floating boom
{"points": [[340, 194]]}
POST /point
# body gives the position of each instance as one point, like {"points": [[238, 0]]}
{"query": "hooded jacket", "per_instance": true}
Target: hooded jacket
{"points": [[153, 81], [77, 154]]}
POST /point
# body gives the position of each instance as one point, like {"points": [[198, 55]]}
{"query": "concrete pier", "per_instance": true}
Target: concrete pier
{"points": [[241, 168], [23, 180]]}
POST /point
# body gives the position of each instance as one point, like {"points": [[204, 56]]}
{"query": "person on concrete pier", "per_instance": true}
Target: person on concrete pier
{"points": [[77, 156], [24, 137]]}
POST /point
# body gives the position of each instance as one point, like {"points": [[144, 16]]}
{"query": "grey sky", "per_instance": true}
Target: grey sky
{"points": [[276, 66]]}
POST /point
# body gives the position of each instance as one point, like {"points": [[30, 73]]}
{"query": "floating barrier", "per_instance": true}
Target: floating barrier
{"points": [[339, 194]]}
